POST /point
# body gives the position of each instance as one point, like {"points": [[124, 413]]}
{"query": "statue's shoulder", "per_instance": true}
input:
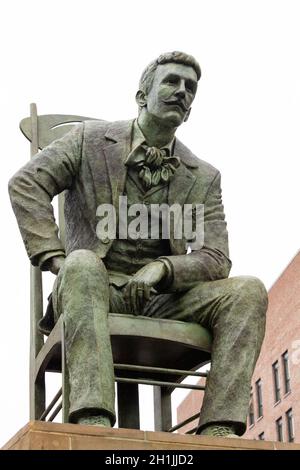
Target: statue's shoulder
{"points": [[113, 130], [95, 126], [195, 164]]}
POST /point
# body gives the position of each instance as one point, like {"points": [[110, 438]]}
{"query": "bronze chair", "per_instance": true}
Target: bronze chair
{"points": [[148, 351]]}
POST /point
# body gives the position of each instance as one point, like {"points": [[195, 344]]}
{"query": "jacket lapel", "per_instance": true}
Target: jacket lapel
{"points": [[183, 180], [118, 138]]}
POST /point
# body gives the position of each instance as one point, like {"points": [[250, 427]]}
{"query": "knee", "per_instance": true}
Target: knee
{"points": [[251, 290], [82, 261]]}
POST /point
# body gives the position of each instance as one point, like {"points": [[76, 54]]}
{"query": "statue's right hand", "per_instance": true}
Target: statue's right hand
{"points": [[54, 264]]}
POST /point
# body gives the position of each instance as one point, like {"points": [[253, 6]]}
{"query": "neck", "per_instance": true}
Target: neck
{"points": [[156, 132]]}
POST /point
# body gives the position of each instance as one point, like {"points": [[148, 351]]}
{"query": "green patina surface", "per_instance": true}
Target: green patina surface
{"points": [[95, 163]]}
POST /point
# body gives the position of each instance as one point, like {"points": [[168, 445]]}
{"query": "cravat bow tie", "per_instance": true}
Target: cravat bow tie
{"points": [[157, 167]]}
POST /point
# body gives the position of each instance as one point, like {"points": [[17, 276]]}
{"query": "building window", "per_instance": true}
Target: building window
{"points": [[261, 436], [286, 372], [258, 386], [251, 411], [290, 425], [276, 383], [279, 429]]}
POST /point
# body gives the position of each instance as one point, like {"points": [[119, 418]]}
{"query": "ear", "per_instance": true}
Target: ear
{"points": [[187, 115], [141, 99]]}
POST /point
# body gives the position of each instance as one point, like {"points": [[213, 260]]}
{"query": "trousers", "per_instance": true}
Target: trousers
{"points": [[232, 309]]}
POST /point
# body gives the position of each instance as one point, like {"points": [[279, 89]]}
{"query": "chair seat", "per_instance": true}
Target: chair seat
{"points": [[155, 342], [143, 341]]}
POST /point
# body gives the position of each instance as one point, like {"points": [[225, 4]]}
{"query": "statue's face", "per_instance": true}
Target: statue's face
{"points": [[172, 92]]}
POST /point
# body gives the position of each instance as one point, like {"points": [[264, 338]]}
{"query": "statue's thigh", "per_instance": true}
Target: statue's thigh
{"points": [[196, 305]]}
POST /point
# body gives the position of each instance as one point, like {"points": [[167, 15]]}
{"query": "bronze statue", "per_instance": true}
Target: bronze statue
{"points": [[97, 163]]}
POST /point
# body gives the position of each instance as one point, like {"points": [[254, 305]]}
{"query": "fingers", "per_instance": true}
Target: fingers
{"points": [[127, 297], [147, 292], [140, 296], [133, 298], [137, 293]]}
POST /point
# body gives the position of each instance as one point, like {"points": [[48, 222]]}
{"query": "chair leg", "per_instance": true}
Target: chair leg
{"points": [[37, 385], [65, 381], [128, 405], [37, 398], [162, 409]]}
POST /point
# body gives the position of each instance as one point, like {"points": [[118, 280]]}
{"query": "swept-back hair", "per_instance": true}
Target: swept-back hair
{"points": [[169, 57]]}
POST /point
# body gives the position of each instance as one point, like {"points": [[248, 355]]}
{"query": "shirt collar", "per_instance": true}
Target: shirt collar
{"points": [[138, 139]]}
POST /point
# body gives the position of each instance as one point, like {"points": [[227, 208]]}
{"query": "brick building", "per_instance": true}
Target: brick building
{"points": [[274, 412]]}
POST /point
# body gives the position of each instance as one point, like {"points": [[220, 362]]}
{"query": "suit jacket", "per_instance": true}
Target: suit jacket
{"points": [[88, 162]]}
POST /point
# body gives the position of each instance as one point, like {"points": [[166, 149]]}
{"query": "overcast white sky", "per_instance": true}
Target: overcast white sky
{"points": [[85, 58]]}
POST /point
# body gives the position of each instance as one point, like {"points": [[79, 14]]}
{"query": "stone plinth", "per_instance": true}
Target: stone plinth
{"points": [[38, 435]]}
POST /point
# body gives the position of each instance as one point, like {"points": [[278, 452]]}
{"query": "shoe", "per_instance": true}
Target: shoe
{"points": [[219, 430], [100, 420]]}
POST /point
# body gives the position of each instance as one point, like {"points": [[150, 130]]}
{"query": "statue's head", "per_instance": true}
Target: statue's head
{"points": [[168, 87]]}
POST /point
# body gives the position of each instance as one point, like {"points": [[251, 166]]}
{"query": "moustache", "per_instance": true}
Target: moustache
{"points": [[178, 103]]}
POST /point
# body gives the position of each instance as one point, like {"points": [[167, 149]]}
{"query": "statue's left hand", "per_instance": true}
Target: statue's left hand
{"points": [[138, 289]]}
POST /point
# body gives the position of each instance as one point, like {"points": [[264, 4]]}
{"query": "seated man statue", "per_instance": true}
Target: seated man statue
{"points": [[99, 164]]}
